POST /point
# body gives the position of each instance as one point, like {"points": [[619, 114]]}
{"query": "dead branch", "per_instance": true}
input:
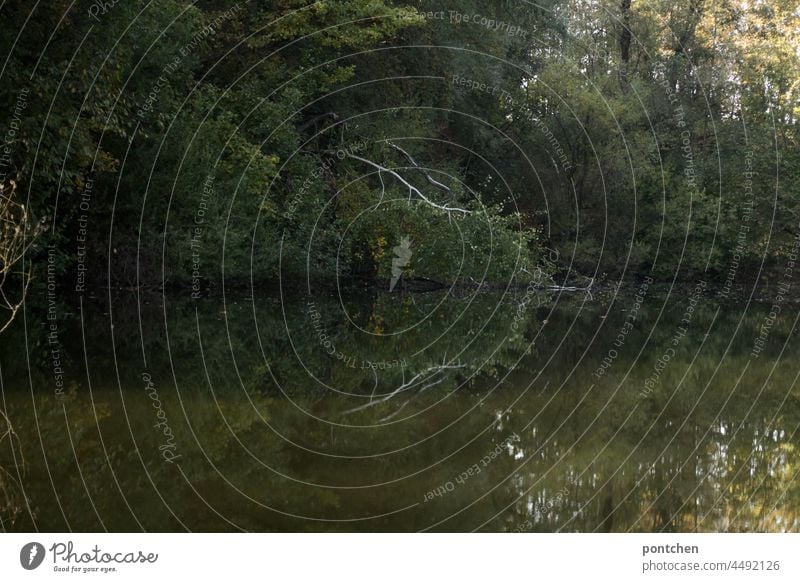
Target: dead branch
{"points": [[417, 166], [411, 188], [426, 375], [16, 237]]}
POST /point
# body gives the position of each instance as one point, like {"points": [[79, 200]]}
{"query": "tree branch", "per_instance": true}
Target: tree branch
{"points": [[411, 188], [417, 166], [409, 385], [16, 237]]}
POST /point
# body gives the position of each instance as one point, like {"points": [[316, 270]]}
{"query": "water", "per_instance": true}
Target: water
{"points": [[357, 411]]}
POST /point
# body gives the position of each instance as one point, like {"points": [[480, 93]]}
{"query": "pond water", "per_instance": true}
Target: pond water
{"points": [[368, 411]]}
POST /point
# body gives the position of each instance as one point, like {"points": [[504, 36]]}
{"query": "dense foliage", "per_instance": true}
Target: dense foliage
{"points": [[171, 141]]}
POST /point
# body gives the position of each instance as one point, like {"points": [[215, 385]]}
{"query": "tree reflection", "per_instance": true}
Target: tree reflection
{"points": [[487, 425]]}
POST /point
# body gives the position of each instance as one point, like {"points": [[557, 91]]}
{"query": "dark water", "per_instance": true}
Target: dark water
{"points": [[377, 412]]}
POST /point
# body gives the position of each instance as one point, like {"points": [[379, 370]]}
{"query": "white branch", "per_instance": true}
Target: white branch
{"points": [[410, 187], [407, 386], [417, 166]]}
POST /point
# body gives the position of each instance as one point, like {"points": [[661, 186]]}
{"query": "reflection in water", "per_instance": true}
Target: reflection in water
{"points": [[405, 412]]}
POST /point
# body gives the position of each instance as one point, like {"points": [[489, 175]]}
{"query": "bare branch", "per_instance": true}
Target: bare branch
{"points": [[409, 385], [411, 188], [417, 166], [16, 237]]}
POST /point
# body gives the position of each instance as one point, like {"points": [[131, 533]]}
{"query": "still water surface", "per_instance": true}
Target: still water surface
{"points": [[376, 412]]}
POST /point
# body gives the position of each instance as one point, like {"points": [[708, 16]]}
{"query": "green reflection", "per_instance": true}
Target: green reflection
{"points": [[410, 412]]}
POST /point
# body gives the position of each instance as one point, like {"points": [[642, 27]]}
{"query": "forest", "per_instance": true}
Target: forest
{"points": [[190, 143], [399, 265]]}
